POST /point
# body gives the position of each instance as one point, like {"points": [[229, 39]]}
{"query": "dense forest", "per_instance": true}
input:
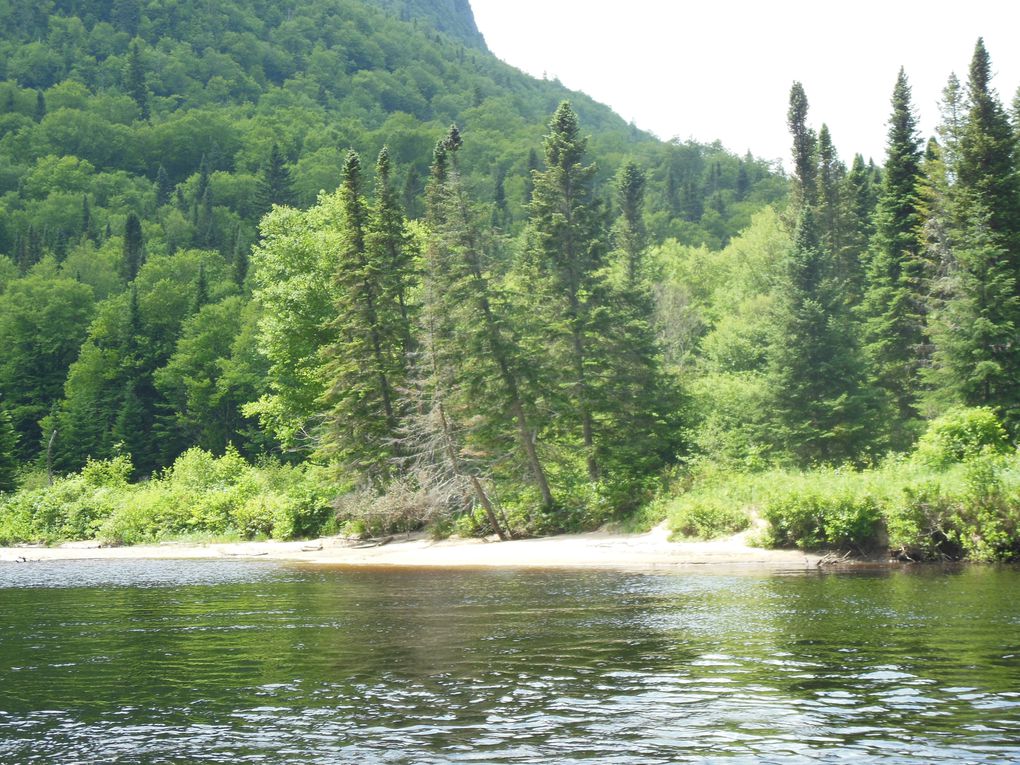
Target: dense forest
{"points": [[270, 269]]}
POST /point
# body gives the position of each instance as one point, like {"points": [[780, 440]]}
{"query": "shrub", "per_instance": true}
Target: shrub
{"points": [[708, 517], [961, 434], [811, 519]]}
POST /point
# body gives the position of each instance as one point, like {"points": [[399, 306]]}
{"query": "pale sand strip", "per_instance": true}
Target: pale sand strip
{"points": [[598, 549]]}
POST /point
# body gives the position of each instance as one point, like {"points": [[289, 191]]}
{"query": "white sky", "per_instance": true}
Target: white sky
{"points": [[722, 69]]}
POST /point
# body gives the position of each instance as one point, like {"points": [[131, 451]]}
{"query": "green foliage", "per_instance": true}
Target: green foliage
{"points": [[8, 457], [707, 518], [959, 435], [199, 494]]}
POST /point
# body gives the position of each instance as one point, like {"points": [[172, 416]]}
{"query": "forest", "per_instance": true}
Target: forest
{"points": [[330, 267]]}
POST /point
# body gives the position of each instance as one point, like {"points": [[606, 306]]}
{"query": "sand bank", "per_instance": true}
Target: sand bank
{"points": [[596, 550]]}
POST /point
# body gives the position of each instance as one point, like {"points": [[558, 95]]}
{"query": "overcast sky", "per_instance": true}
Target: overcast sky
{"points": [[722, 70]]}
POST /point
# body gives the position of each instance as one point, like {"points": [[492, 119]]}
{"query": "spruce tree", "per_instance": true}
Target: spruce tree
{"points": [[568, 253], [8, 452], [898, 280], [133, 253], [164, 188], [86, 217], [478, 371], [389, 243], [40, 106], [201, 296], [364, 365], [275, 185], [822, 410], [134, 81], [804, 144], [631, 234], [977, 359]]}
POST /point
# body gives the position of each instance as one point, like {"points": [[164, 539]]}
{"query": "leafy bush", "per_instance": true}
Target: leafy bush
{"points": [[960, 434], [708, 517]]}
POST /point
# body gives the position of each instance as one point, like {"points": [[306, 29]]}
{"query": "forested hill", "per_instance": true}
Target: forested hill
{"points": [[122, 89], [453, 17], [142, 141]]}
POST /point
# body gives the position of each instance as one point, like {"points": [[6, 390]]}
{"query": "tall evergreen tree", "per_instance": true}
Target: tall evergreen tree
{"points": [[164, 188], [390, 244], [631, 233], [40, 106], [133, 253], [478, 370], [898, 280], [275, 185], [569, 253], [8, 452], [822, 410], [364, 365], [977, 357], [134, 81], [804, 143]]}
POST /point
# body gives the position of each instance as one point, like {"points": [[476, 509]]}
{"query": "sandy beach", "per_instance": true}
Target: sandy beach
{"points": [[595, 550]]}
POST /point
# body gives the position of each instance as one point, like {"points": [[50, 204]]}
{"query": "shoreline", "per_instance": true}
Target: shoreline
{"points": [[592, 550]]}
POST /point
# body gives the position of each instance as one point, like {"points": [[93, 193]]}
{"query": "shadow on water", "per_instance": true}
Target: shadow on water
{"points": [[146, 662]]}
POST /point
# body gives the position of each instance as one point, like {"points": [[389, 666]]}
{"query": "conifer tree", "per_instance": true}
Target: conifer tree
{"points": [[86, 217], [804, 143], [631, 233], [898, 280], [133, 253], [275, 184], [201, 297], [134, 81], [568, 252], [40, 106], [478, 369], [364, 365], [389, 244], [164, 189], [822, 410], [977, 358], [8, 452], [830, 177]]}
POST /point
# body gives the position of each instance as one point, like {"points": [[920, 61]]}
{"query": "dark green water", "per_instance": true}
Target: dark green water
{"points": [[173, 662]]}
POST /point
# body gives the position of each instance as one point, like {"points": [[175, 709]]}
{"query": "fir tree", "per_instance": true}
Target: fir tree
{"points": [[977, 358], [569, 252], [134, 81], [164, 188], [631, 234], [40, 106], [8, 452], [894, 307], [364, 365], [201, 297], [86, 217], [822, 410], [478, 367], [804, 143], [389, 244], [275, 184], [133, 253]]}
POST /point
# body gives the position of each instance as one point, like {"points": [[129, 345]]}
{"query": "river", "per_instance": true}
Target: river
{"points": [[246, 662]]}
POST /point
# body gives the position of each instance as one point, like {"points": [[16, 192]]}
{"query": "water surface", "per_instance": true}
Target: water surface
{"points": [[232, 662]]}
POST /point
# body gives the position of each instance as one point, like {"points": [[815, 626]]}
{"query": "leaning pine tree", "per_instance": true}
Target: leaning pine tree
{"points": [[473, 378]]}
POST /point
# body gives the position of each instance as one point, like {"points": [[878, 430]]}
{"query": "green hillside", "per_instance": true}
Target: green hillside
{"points": [[143, 312]]}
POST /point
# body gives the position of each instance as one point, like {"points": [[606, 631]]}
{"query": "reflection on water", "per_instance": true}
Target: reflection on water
{"points": [[216, 662]]}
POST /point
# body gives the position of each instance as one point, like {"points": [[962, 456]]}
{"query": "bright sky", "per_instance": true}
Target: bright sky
{"points": [[722, 69]]}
